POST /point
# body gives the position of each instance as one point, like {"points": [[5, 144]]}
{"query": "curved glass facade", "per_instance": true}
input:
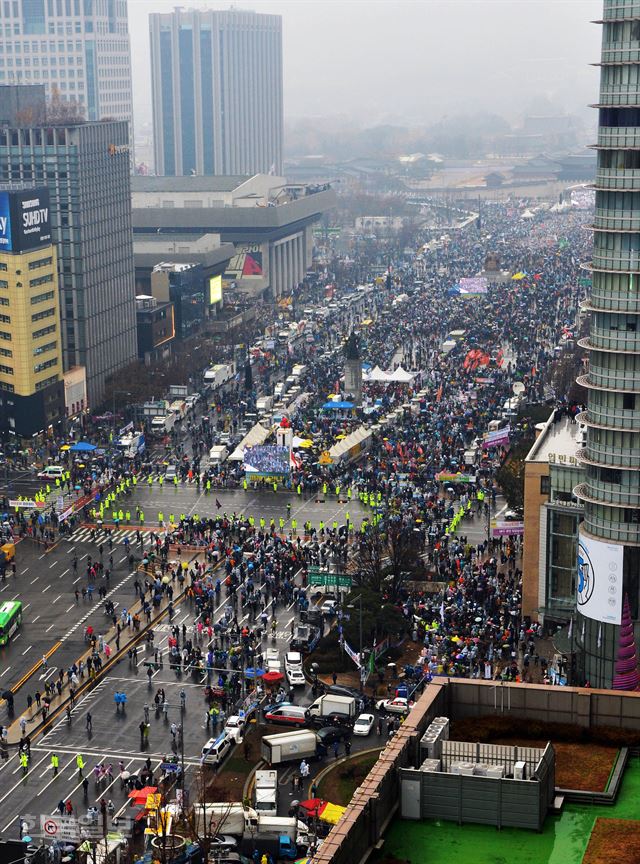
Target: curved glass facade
{"points": [[611, 457]]}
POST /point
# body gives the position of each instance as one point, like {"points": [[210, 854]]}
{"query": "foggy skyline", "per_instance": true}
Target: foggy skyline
{"points": [[415, 63]]}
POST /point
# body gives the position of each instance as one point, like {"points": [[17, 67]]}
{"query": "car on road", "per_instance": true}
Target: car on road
{"points": [[342, 690], [329, 608], [223, 842], [295, 677], [235, 727], [364, 724], [328, 735], [289, 715], [215, 750], [171, 472], [293, 660], [399, 705]]}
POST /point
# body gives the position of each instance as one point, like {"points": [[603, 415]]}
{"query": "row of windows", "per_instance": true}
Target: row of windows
{"points": [[41, 280], [5, 352], [46, 364], [41, 385], [620, 75], [615, 283], [40, 262], [44, 331], [42, 349], [40, 298], [38, 316], [6, 370], [614, 363]]}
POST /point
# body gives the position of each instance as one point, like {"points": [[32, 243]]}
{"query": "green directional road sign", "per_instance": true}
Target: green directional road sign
{"points": [[329, 580]]}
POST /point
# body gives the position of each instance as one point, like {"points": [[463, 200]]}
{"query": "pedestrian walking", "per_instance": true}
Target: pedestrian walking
{"points": [[89, 722], [55, 763], [80, 764]]}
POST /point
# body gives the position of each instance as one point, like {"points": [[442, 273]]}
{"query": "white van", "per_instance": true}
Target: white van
{"points": [[52, 472], [216, 749]]}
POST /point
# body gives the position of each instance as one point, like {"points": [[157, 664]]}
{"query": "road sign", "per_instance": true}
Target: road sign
{"points": [[60, 828], [329, 580]]}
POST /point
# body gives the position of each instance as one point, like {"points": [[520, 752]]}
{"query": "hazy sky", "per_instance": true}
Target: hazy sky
{"points": [[415, 61]]}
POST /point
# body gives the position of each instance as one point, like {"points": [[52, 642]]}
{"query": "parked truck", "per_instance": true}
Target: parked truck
{"points": [[265, 792], [330, 707], [163, 424], [218, 375], [300, 744], [264, 404], [288, 836], [132, 444], [179, 408], [218, 454]]}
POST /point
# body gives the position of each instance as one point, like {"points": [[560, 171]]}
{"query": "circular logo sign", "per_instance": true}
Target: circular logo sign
{"points": [[585, 575]]}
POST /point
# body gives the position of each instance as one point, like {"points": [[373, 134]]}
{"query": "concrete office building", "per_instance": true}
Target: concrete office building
{"points": [[79, 48], [609, 543], [216, 80], [86, 169], [269, 223], [31, 387]]}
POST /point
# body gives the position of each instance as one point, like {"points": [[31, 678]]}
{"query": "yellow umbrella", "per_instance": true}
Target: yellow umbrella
{"points": [[340, 437], [518, 276], [65, 447]]}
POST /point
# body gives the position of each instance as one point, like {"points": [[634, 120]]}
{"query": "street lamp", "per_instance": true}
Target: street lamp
{"points": [[351, 605], [117, 393]]}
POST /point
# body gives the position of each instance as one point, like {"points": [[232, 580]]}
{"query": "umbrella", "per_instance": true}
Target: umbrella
{"points": [[83, 447], [65, 447], [253, 673], [272, 677], [141, 795]]}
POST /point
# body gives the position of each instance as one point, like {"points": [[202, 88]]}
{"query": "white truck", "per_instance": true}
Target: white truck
{"points": [[162, 425], [264, 404], [218, 454], [299, 744], [226, 818], [265, 792], [132, 444], [328, 707], [218, 375], [179, 408]]}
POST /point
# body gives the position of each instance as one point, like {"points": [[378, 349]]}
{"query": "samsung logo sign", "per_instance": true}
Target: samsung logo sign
{"points": [[34, 217]]}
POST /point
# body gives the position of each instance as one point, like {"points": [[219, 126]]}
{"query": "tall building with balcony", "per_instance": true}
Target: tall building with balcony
{"points": [[609, 541], [216, 80]]}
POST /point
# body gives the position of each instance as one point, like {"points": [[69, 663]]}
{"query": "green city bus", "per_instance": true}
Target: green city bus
{"points": [[10, 619]]}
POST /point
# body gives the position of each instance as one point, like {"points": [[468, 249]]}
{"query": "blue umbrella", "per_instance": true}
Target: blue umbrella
{"points": [[253, 673], [83, 447]]}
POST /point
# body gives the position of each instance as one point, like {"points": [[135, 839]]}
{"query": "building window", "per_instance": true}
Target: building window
{"points": [[611, 475], [6, 319], [4, 301], [44, 331], [5, 352], [46, 364], [632, 517], [40, 262], [42, 349], [545, 485], [4, 335], [40, 298], [629, 401], [4, 283], [6, 370], [38, 316], [42, 385], [41, 280]]}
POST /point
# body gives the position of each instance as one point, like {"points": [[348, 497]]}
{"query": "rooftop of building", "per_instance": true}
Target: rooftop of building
{"points": [[195, 183], [559, 437]]}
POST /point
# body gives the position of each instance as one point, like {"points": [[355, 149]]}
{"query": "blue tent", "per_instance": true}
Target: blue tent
{"points": [[337, 406], [83, 447]]}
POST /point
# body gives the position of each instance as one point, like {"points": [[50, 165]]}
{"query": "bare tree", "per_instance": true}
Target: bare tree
{"points": [[387, 553], [61, 111]]}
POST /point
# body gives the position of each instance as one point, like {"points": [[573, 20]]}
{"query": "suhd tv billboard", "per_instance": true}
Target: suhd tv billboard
{"points": [[25, 219]]}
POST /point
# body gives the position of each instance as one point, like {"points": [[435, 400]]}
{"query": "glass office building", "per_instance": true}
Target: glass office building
{"points": [[216, 79]]}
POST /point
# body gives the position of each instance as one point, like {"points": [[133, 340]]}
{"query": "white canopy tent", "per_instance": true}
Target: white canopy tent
{"points": [[258, 434], [352, 446]]}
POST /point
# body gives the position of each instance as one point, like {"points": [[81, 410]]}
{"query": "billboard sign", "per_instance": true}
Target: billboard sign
{"points": [[506, 529], [25, 219], [215, 290], [599, 585], [246, 263]]}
